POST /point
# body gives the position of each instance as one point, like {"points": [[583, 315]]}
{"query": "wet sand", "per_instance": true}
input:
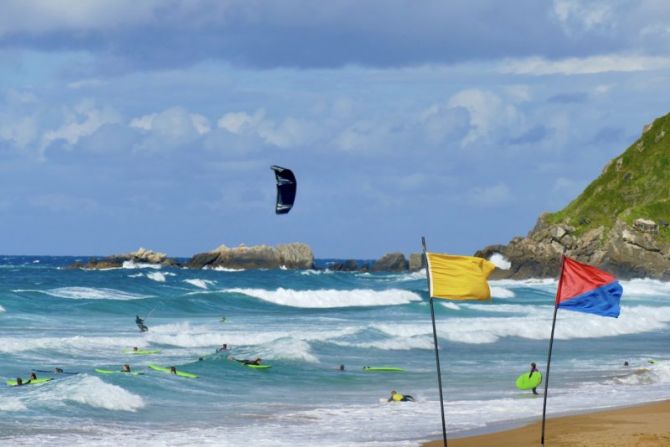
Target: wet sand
{"points": [[640, 426]]}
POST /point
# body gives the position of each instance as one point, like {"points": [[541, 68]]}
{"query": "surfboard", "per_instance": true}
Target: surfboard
{"points": [[12, 382], [259, 366], [111, 371], [382, 369], [142, 351], [523, 382], [179, 373]]}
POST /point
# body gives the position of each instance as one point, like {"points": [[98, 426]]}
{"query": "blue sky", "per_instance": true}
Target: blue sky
{"points": [[155, 123]]}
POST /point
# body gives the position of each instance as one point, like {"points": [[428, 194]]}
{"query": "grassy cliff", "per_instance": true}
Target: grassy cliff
{"points": [[634, 185]]}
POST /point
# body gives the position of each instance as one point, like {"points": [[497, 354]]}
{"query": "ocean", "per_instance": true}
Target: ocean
{"points": [[305, 324]]}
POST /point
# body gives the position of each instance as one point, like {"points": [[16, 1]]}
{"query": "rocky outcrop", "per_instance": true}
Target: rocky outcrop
{"points": [[141, 256], [416, 262], [390, 262], [627, 251], [291, 256]]}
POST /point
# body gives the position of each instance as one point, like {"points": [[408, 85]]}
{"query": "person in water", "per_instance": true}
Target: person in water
{"points": [[173, 370], [19, 381], [33, 376], [224, 347], [140, 324], [341, 368], [397, 397], [58, 370], [533, 368], [125, 368], [258, 361]]}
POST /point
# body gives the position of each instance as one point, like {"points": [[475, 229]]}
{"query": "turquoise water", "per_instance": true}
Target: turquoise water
{"points": [[305, 324]]}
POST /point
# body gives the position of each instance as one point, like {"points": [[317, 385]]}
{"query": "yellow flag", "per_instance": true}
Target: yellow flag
{"points": [[459, 277]]}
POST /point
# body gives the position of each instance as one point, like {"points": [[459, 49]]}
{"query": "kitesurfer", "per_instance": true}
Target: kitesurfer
{"points": [[140, 324], [533, 368], [397, 397]]}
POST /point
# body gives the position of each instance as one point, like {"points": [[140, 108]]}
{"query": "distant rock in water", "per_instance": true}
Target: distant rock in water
{"points": [[141, 256], [619, 223], [391, 262], [291, 256]]}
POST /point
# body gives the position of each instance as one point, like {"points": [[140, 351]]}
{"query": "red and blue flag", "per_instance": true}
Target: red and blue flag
{"points": [[584, 288]]}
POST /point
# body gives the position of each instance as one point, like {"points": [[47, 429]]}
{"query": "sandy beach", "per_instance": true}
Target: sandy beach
{"points": [[639, 426]]}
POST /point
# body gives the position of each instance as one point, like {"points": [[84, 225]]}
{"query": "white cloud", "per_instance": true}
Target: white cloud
{"points": [[586, 65], [171, 127], [487, 112], [82, 120], [578, 15], [35, 16], [290, 132]]}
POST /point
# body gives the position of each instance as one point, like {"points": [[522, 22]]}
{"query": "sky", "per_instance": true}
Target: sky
{"points": [[155, 123]]}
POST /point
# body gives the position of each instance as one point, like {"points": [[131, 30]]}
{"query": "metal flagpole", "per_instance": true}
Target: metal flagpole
{"points": [[437, 355], [551, 344]]}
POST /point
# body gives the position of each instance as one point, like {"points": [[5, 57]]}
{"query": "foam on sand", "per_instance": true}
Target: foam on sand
{"points": [[329, 298]]}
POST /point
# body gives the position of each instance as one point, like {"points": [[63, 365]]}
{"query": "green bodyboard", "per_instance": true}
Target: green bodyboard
{"points": [[142, 351], [259, 366], [382, 369], [523, 382], [179, 373], [12, 382], [111, 371]]}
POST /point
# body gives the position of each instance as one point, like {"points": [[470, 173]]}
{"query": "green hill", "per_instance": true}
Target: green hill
{"points": [[634, 185]]}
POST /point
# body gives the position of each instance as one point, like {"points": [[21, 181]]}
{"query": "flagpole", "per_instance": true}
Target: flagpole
{"points": [[551, 344], [437, 354]]}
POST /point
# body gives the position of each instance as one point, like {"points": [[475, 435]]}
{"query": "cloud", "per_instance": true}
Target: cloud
{"points": [[539, 66], [579, 16], [533, 135], [487, 112], [287, 133], [171, 128], [84, 119], [569, 98]]}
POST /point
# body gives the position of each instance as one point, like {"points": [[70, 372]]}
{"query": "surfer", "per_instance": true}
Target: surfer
{"points": [[258, 361], [533, 368], [19, 381], [140, 324], [173, 370], [32, 376], [223, 348], [125, 368], [397, 397], [341, 368]]}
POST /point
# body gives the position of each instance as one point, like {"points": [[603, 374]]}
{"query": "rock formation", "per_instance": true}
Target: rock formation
{"points": [[291, 256], [141, 256], [619, 222]]}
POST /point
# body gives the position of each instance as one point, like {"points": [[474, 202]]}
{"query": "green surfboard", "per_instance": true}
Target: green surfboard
{"points": [[259, 366], [12, 382], [523, 382], [142, 351], [179, 373], [382, 369], [112, 371]]}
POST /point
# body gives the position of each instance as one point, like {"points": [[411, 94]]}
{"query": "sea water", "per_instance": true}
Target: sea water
{"points": [[305, 324]]}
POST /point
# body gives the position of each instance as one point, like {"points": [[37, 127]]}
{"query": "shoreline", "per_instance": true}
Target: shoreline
{"points": [[639, 425]]}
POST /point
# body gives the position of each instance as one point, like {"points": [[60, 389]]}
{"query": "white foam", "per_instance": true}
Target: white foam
{"points": [[316, 272], [450, 305], [2, 309], [86, 390], [329, 298], [500, 261], [645, 288], [288, 348], [200, 283], [11, 404], [501, 292], [72, 345], [156, 276], [88, 293], [222, 269], [140, 265], [393, 344]]}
